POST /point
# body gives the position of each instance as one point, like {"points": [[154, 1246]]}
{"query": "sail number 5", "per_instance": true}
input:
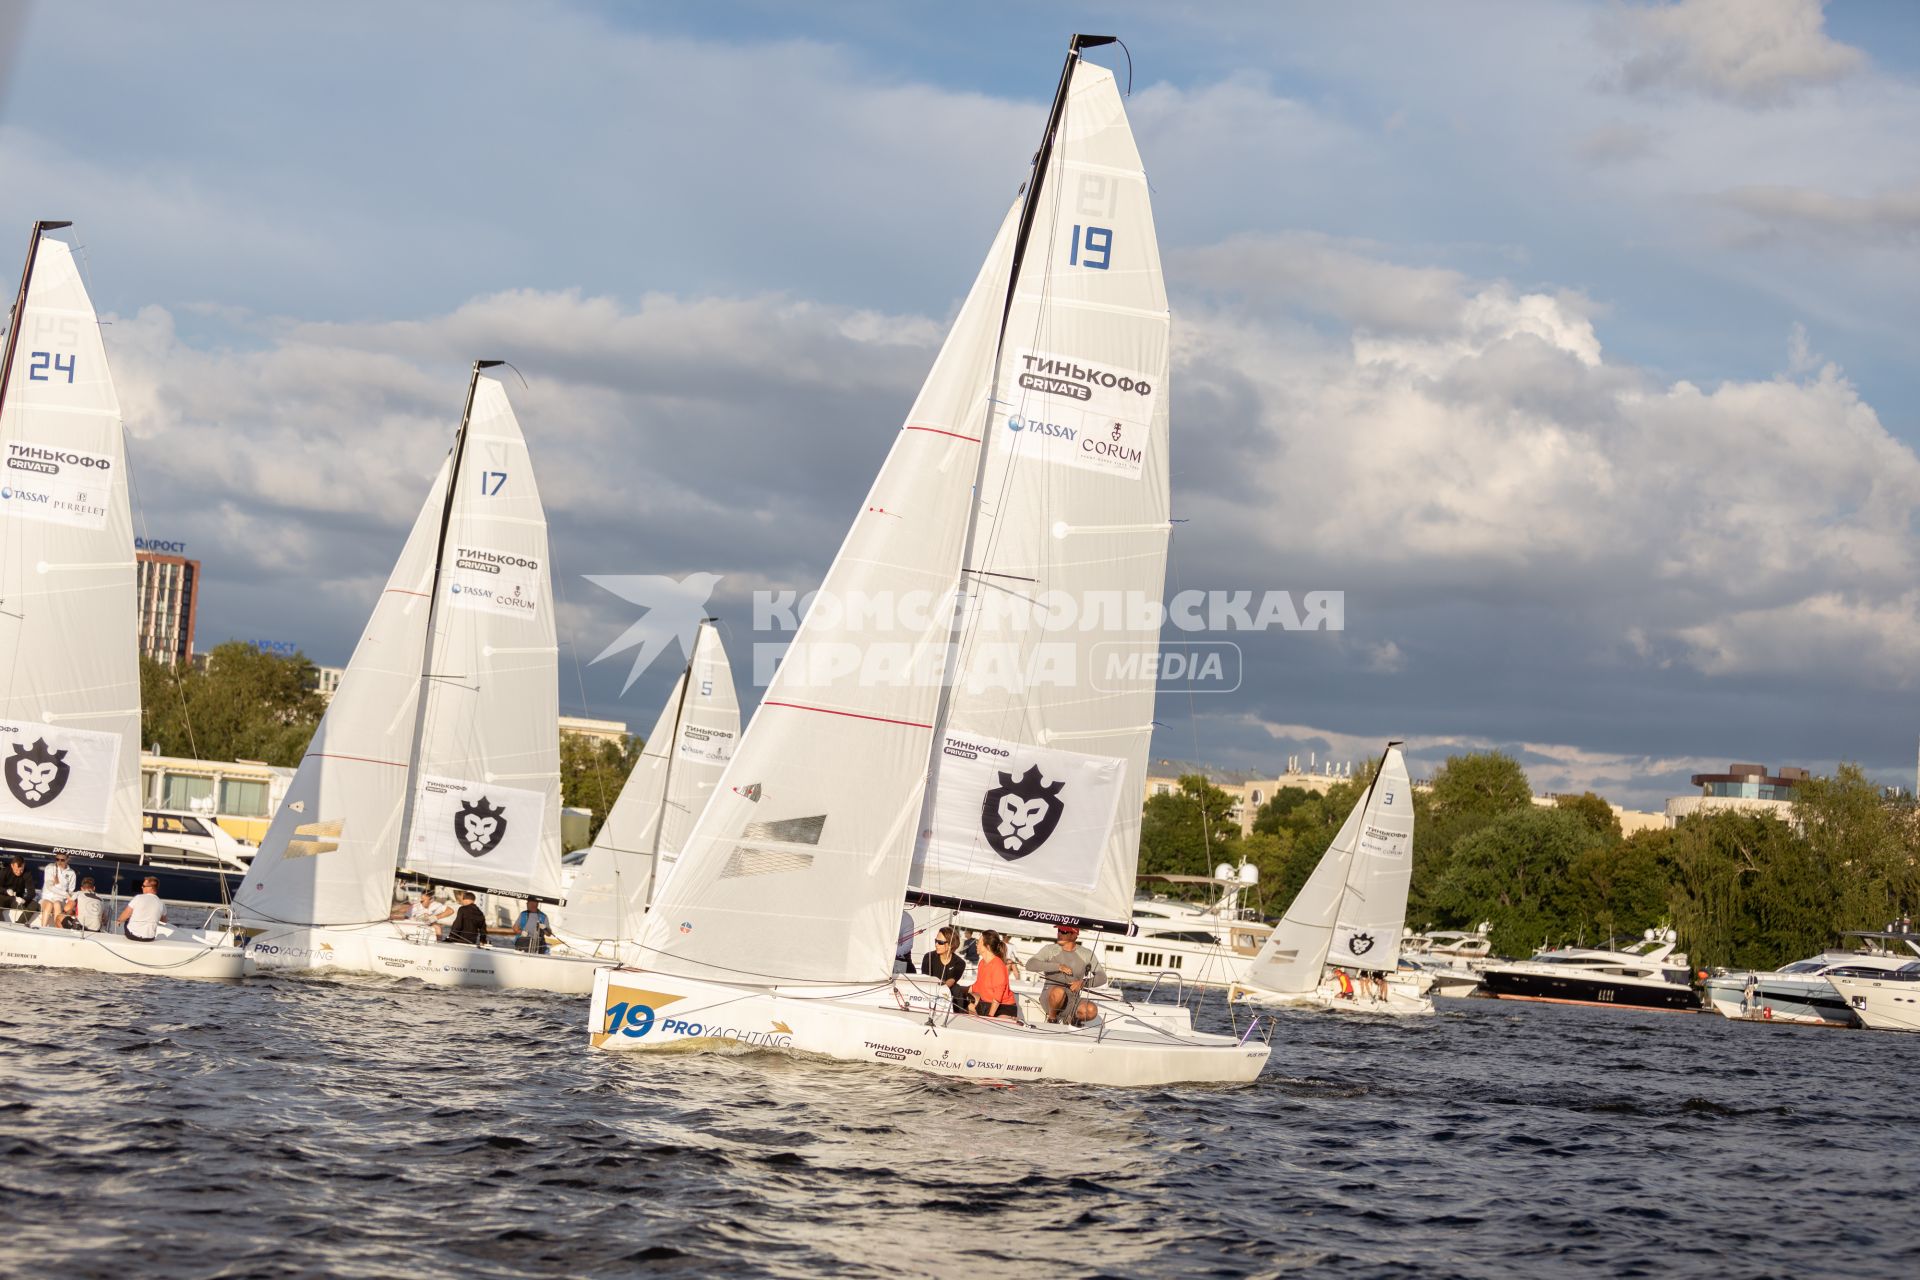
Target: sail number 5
{"points": [[44, 364], [1098, 240]]}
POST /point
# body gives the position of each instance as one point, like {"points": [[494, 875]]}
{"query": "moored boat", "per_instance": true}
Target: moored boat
{"points": [[1801, 992], [1647, 975]]}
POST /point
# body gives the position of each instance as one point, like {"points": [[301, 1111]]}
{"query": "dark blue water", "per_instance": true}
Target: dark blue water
{"points": [[285, 1127]]}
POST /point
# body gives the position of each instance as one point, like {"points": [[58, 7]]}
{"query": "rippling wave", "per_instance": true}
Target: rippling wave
{"points": [[368, 1128]]}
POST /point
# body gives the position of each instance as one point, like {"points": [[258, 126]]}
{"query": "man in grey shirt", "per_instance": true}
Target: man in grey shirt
{"points": [[1069, 969]]}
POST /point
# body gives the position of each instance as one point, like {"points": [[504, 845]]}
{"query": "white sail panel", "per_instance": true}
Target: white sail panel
{"points": [[468, 831], [1069, 557], [680, 764], [69, 667], [796, 869], [492, 687], [1295, 953], [1373, 914], [612, 885], [329, 855]]}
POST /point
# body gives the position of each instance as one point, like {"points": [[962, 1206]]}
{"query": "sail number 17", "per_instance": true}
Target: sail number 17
{"points": [[1097, 240]]}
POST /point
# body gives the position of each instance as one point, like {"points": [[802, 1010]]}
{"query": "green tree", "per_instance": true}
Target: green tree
{"points": [[242, 704], [1516, 872], [593, 771], [1747, 891], [1189, 831], [1621, 887], [1467, 793], [1594, 811]]}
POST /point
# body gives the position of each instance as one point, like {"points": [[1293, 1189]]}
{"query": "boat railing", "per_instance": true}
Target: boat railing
{"points": [[1179, 986]]}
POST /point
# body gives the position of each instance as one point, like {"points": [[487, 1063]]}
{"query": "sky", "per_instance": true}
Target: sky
{"points": [[1573, 342]]}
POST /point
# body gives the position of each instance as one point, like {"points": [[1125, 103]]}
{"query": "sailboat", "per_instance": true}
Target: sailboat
{"points": [[439, 755], [1033, 467], [1349, 918], [69, 668], [636, 847]]}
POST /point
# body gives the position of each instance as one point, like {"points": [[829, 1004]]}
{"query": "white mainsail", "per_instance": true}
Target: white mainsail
{"points": [[69, 668], [1373, 913], [1038, 775], [489, 724], [328, 858], [680, 764], [485, 807], [796, 870], [1373, 851]]}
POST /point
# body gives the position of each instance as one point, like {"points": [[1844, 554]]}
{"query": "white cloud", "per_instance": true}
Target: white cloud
{"points": [[1752, 52]]}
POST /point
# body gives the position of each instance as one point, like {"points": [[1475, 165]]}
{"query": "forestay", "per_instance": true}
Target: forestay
{"points": [[329, 855], [1038, 774], [69, 668], [796, 870], [485, 808], [680, 763]]}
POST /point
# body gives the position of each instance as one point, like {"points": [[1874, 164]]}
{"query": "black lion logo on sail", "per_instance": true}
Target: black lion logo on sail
{"points": [[480, 827], [1017, 817], [37, 775], [1360, 943]]}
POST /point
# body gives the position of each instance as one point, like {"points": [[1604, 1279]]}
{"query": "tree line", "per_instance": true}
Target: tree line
{"points": [[1743, 890]]}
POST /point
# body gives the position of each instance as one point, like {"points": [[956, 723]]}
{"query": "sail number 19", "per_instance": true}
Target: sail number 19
{"points": [[1097, 240]]}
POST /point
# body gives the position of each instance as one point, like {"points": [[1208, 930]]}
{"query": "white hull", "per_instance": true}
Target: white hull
{"points": [[176, 954], [397, 951], [1404, 999], [905, 1024], [1882, 1004]]}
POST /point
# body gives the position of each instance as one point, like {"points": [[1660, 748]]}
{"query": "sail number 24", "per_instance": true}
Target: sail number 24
{"points": [[44, 364]]}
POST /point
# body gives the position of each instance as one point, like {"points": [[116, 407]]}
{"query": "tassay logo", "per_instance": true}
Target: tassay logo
{"points": [[480, 827], [36, 776], [1017, 817]]}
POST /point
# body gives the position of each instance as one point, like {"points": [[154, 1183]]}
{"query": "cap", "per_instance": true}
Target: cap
{"points": [[1073, 929]]}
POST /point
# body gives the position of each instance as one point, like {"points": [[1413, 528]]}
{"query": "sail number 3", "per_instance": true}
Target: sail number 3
{"points": [[44, 364]]}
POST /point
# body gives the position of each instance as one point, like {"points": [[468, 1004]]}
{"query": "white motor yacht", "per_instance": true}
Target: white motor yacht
{"points": [[1890, 1002], [1801, 992]]}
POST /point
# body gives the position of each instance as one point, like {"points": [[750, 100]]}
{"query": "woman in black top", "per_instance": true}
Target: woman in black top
{"points": [[941, 963]]}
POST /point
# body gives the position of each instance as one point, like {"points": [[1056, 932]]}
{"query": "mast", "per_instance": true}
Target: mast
{"points": [[1029, 208], [20, 302], [673, 749], [1346, 881], [433, 606]]}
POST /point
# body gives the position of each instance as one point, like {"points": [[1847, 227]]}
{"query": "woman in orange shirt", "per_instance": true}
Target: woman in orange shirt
{"points": [[992, 994]]}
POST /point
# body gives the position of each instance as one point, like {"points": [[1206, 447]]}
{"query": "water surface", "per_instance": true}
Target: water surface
{"points": [[293, 1127]]}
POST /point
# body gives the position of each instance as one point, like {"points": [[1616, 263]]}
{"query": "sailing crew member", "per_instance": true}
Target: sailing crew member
{"points": [[141, 919], [57, 887], [1069, 969], [89, 912], [992, 993], [944, 966], [16, 890], [530, 929], [430, 911], [468, 926]]}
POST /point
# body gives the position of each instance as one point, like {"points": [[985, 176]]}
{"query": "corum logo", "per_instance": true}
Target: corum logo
{"points": [[480, 827], [1017, 817], [1116, 431], [1360, 943], [37, 776]]}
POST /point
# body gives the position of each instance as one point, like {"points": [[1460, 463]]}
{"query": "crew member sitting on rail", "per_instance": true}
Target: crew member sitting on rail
{"points": [[141, 919], [56, 890], [16, 889], [89, 912], [992, 993], [1345, 984], [469, 926], [1069, 969]]}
